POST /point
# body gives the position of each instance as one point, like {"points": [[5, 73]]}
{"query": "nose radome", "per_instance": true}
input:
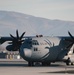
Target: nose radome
{"points": [[27, 53]]}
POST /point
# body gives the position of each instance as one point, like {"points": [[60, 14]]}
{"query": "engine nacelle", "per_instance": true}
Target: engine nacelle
{"points": [[11, 48]]}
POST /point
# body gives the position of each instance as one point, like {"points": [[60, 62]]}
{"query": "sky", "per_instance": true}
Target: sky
{"points": [[51, 9]]}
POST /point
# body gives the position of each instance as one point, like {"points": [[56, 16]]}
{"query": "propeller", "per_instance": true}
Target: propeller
{"points": [[70, 40], [16, 41]]}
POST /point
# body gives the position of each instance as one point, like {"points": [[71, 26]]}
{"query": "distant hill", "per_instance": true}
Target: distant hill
{"points": [[10, 21]]}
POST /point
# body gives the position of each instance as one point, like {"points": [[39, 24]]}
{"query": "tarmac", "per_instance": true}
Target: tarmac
{"points": [[20, 67]]}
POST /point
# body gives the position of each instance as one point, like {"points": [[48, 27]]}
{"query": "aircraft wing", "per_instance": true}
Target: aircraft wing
{"points": [[12, 38], [4, 39]]}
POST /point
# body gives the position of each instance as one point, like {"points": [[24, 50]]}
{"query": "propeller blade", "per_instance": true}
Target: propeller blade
{"points": [[70, 35], [21, 41], [17, 34], [22, 35], [10, 42], [69, 45], [12, 36], [69, 40], [16, 41]]}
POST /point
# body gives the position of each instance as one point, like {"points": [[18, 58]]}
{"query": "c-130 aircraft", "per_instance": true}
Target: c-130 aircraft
{"points": [[43, 49]]}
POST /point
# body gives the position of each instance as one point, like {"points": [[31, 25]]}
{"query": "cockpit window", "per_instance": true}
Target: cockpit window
{"points": [[35, 42], [32, 42]]}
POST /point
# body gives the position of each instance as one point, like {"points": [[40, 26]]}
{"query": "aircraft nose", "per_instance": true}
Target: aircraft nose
{"points": [[27, 53]]}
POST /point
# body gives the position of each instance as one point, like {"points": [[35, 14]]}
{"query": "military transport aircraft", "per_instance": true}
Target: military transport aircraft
{"points": [[39, 48]]}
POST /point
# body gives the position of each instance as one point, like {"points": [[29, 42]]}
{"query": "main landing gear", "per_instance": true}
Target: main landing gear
{"points": [[30, 63], [68, 61], [38, 63], [46, 64]]}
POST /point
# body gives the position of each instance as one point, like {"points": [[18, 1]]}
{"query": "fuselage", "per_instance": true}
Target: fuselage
{"points": [[44, 49]]}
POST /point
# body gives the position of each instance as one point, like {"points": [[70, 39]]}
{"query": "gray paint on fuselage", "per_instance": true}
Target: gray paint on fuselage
{"points": [[45, 52]]}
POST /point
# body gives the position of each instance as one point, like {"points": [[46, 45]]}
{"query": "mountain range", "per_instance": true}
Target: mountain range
{"points": [[32, 25]]}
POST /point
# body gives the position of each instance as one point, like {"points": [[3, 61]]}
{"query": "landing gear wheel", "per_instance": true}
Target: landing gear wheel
{"points": [[30, 63], [71, 63], [68, 61], [45, 64], [48, 64]]}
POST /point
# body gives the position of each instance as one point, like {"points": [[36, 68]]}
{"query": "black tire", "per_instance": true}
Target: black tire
{"points": [[71, 63], [45, 64], [30, 63], [67, 63]]}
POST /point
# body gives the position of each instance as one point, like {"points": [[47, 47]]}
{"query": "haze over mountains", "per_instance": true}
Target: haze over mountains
{"points": [[10, 21]]}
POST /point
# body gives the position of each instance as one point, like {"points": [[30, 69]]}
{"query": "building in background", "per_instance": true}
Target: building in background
{"points": [[4, 54]]}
